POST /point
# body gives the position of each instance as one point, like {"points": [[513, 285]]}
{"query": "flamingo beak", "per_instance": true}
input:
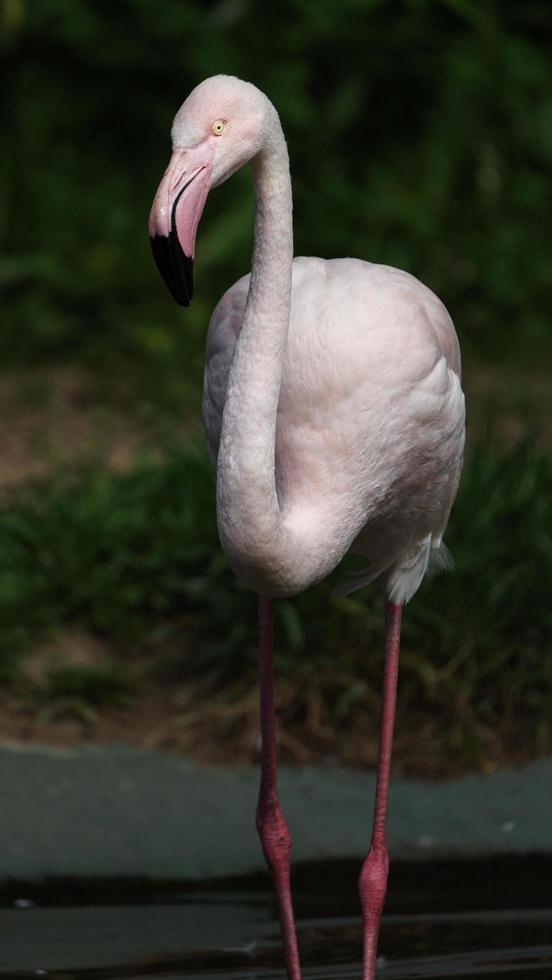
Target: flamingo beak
{"points": [[174, 217]]}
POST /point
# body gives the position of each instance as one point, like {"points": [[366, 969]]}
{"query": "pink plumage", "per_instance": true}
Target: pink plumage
{"points": [[335, 420], [370, 421]]}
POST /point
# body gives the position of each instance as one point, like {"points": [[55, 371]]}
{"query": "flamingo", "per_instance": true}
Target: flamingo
{"points": [[335, 422]]}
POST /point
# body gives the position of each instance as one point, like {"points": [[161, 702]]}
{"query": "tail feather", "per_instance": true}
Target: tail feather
{"points": [[355, 580], [440, 558], [403, 577]]}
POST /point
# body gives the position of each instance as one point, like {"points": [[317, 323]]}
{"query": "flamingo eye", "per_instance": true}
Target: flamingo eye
{"points": [[218, 127]]}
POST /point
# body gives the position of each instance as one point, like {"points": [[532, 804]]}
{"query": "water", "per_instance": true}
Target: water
{"points": [[464, 920]]}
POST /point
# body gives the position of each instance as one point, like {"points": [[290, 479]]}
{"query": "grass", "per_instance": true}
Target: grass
{"points": [[134, 558]]}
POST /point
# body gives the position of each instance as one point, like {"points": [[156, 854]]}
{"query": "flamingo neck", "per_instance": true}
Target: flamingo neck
{"points": [[249, 516]]}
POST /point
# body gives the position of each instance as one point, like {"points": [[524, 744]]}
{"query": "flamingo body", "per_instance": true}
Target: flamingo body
{"points": [[370, 419], [335, 420]]}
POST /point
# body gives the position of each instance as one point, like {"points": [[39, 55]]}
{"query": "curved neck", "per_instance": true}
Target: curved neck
{"points": [[250, 522]]}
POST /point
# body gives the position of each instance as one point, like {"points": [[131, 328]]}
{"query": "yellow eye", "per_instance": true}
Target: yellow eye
{"points": [[218, 127]]}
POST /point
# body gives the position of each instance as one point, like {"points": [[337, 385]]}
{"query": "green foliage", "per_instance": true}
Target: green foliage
{"points": [[104, 551], [136, 557], [80, 689], [420, 135]]}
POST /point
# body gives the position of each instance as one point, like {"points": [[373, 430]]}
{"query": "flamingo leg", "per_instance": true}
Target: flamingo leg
{"points": [[373, 877], [271, 826]]}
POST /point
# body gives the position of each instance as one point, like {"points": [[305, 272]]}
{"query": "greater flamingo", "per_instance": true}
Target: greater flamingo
{"points": [[334, 416]]}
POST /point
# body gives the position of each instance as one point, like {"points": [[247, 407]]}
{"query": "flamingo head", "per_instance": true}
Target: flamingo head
{"points": [[222, 125]]}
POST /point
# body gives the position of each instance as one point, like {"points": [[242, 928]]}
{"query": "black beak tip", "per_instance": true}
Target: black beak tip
{"points": [[175, 267]]}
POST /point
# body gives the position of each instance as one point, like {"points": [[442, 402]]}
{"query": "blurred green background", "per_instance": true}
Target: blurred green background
{"points": [[420, 135]]}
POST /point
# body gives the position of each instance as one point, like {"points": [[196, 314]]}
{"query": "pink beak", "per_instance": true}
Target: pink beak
{"points": [[175, 214]]}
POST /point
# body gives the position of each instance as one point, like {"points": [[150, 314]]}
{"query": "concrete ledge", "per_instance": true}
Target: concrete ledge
{"points": [[119, 812]]}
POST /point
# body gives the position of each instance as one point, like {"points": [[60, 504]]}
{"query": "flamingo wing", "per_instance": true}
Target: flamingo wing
{"points": [[370, 427]]}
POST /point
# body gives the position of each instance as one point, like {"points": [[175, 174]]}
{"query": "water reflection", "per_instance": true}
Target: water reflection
{"points": [[230, 931]]}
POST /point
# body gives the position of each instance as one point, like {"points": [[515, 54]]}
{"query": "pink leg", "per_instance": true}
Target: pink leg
{"points": [[271, 826], [373, 877]]}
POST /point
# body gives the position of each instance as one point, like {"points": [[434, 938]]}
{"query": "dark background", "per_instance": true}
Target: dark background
{"points": [[420, 135]]}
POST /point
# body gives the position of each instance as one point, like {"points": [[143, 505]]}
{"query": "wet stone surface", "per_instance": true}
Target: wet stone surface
{"points": [[464, 919], [126, 812]]}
